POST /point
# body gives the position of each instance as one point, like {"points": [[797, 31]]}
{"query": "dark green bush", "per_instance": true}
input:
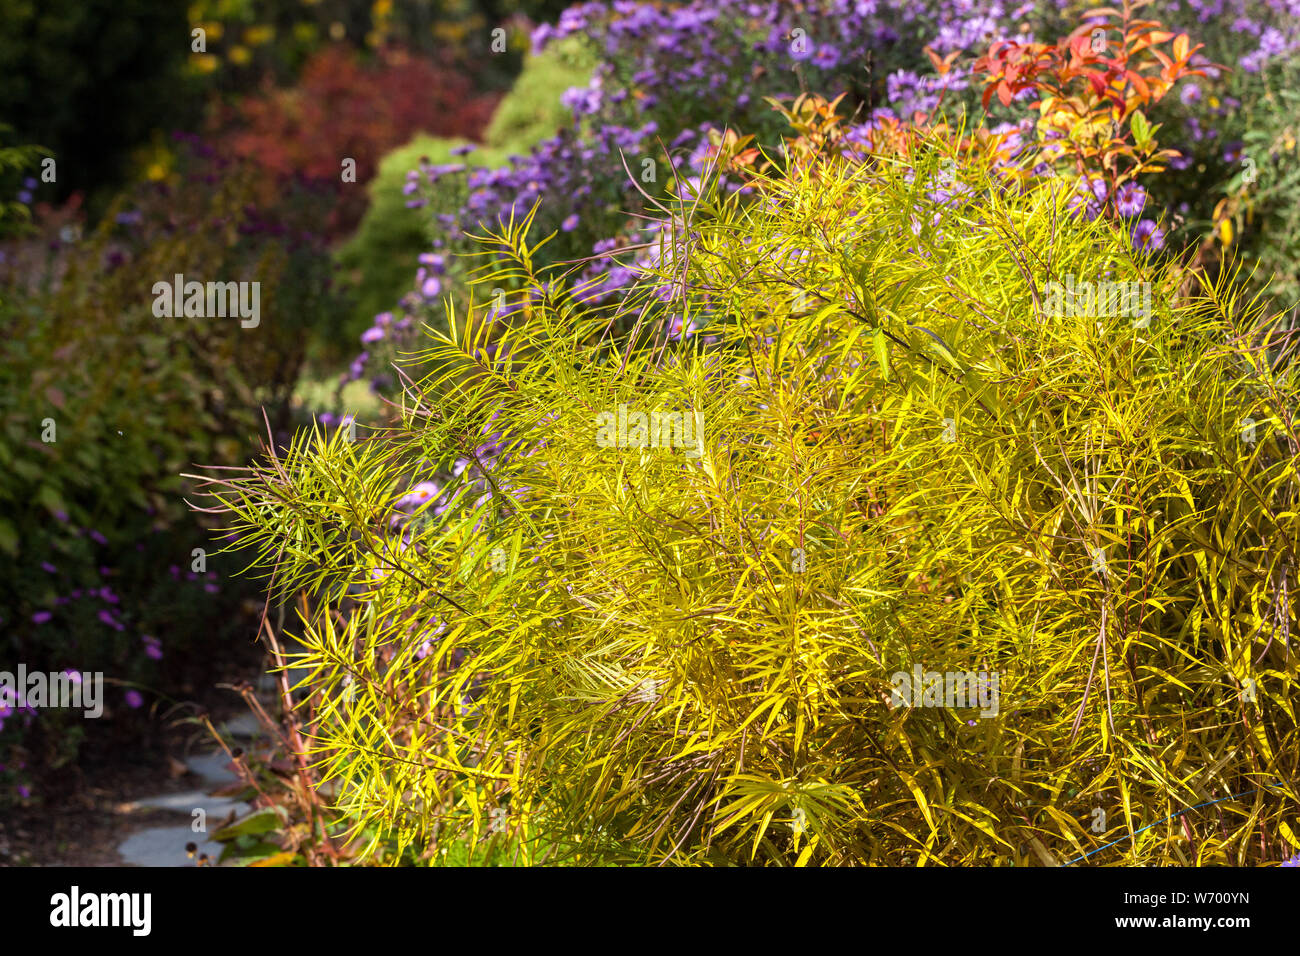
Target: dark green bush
{"points": [[91, 79], [95, 542]]}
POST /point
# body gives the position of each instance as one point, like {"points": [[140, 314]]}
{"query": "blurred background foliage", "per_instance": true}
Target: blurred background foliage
{"points": [[219, 156]]}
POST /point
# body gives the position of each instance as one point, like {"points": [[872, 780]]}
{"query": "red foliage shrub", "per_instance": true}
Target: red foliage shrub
{"points": [[342, 108]]}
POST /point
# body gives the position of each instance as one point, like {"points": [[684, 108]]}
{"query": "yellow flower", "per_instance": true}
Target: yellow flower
{"points": [[382, 9], [206, 63], [240, 55], [214, 30], [259, 35], [156, 171], [337, 30]]}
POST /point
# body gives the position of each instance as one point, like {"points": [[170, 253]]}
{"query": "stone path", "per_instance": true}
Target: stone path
{"points": [[165, 846]]}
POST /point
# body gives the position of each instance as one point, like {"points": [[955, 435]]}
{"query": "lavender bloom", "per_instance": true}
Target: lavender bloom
{"points": [[111, 621], [1129, 199], [419, 495], [1147, 235]]}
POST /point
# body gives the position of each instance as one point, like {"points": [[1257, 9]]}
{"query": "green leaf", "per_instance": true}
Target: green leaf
{"points": [[1141, 129], [259, 821], [51, 499], [246, 855], [882, 352]]}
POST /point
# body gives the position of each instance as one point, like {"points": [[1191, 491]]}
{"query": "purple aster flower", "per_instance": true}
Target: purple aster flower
{"points": [[40, 617], [826, 57], [49, 567], [675, 330], [1147, 235], [358, 365], [1129, 199], [570, 223], [434, 261], [372, 334], [419, 495], [134, 700], [1272, 42], [107, 618]]}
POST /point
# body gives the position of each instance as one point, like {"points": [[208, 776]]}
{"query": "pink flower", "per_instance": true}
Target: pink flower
{"points": [[420, 494]]}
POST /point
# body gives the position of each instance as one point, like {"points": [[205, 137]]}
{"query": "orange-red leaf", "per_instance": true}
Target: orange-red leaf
{"points": [[1139, 84]]}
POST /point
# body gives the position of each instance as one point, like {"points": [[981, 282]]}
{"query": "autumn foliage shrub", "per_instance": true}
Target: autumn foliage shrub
{"points": [[342, 108], [652, 598]]}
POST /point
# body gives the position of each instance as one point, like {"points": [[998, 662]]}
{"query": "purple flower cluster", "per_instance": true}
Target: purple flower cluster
{"points": [[668, 74], [27, 191], [107, 608]]}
